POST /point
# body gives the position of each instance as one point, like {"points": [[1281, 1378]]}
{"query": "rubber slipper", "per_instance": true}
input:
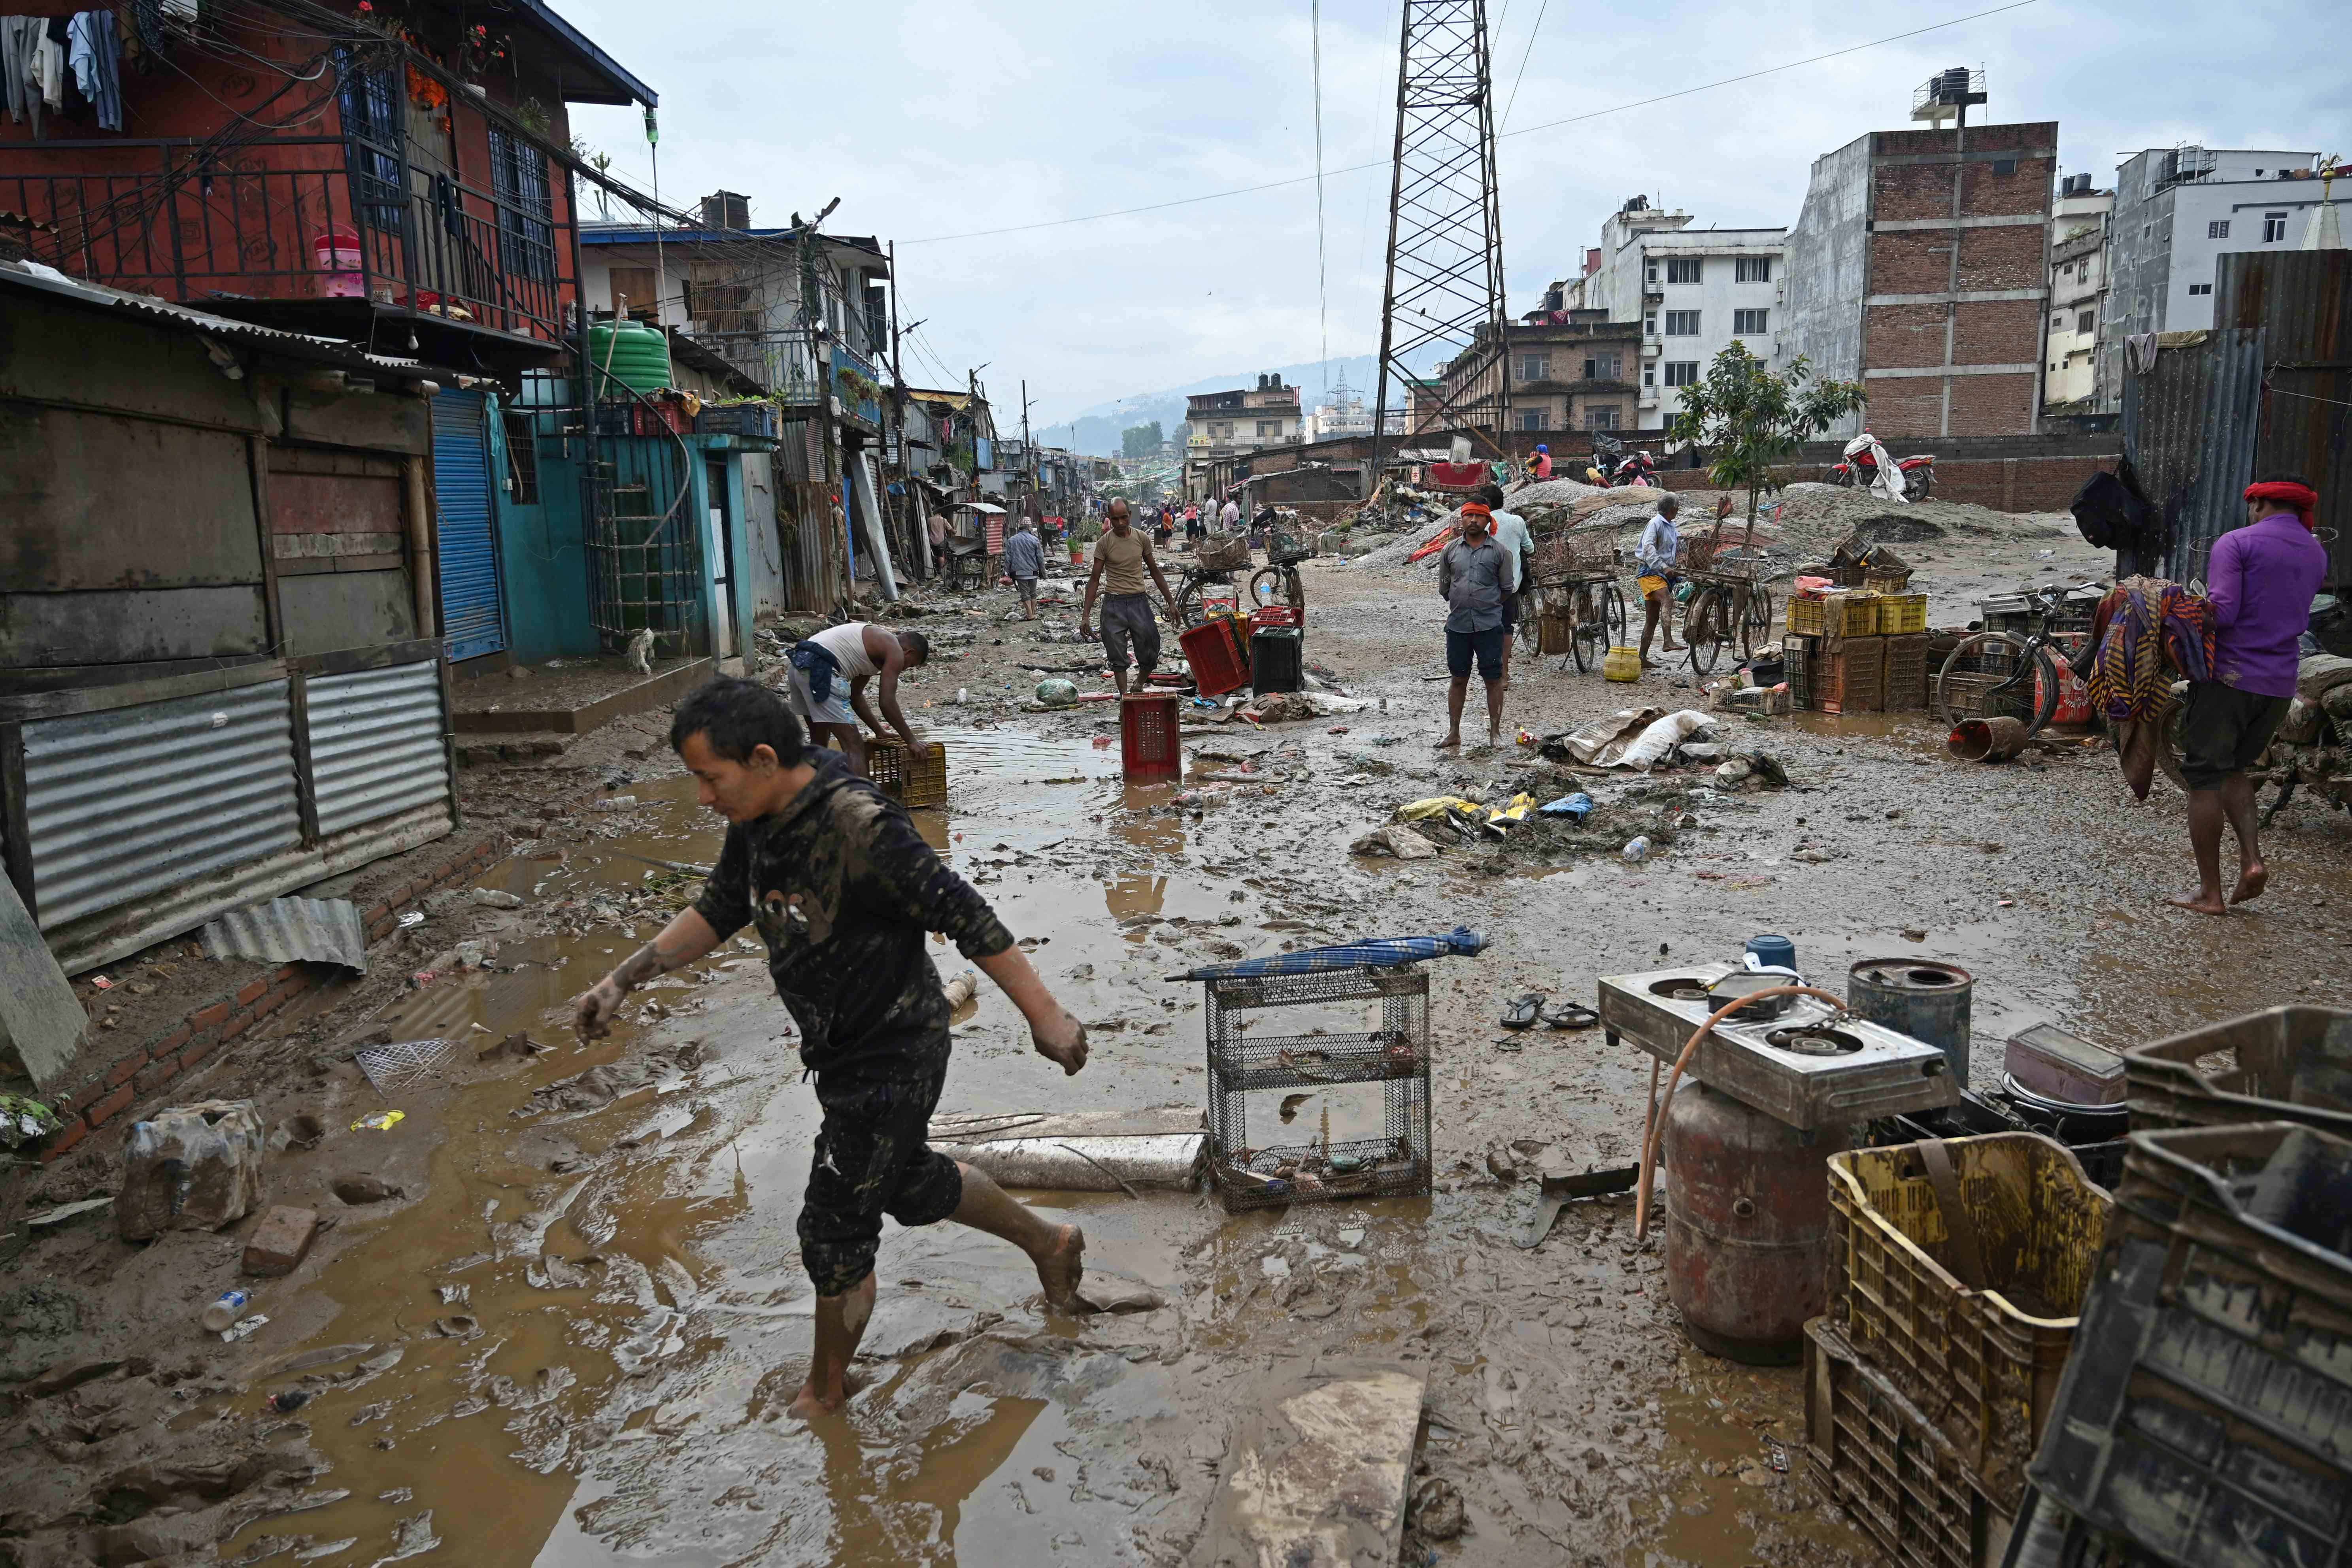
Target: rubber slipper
{"points": [[1570, 1015], [1523, 1012]]}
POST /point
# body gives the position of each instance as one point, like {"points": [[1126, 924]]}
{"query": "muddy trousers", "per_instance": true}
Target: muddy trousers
{"points": [[871, 1160]]}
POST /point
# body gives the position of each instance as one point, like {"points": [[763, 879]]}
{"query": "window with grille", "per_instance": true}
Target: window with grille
{"points": [[373, 131], [1681, 323], [1534, 367], [1650, 323], [526, 207], [1602, 367], [2218, 228], [2087, 320], [1751, 270], [1749, 324], [2201, 288], [1682, 372], [1535, 418], [522, 459], [1604, 418], [1683, 268], [2273, 227]]}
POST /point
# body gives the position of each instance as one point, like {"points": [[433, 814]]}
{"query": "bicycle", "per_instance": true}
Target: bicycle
{"points": [[1575, 579], [1213, 565], [1277, 582], [1730, 604], [2001, 674]]}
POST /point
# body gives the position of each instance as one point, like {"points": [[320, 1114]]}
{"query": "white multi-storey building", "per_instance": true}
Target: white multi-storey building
{"points": [[2177, 211], [2078, 292], [1695, 292]]}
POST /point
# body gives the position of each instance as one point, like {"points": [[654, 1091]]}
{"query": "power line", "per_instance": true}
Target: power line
{"points": [[1322, 273], [1526, 131], [1523, 55]]}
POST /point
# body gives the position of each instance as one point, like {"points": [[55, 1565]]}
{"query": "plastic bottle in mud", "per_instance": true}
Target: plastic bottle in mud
{"points": [[1637, 851], [226, 1309]]}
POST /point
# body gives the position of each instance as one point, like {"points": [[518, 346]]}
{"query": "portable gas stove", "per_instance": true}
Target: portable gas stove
{"points": [[1806, 1065]]}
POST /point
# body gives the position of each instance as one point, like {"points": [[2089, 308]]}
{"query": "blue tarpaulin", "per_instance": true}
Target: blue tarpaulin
{"points": [[1380, 952]]}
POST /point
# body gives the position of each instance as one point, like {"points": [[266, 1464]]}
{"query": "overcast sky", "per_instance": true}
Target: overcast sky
{"points": [[937, 120]]}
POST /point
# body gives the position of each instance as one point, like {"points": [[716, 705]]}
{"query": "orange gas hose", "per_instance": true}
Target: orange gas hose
{"points": [[1655, 1133]]}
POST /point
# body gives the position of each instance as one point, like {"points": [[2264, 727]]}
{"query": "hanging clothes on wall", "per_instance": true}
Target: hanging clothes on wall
{"points": [[94, 51], [20, 43], [49, 63]]}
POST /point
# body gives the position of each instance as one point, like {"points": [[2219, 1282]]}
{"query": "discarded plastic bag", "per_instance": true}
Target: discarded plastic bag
{"points": [[1601, 743], [1057, 693], [192, 1167], [1400, 842], [1655, 743], [1576, 808]]}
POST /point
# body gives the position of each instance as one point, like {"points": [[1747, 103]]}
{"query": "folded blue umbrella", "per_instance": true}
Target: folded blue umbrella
{"points": [[1380, 952]]}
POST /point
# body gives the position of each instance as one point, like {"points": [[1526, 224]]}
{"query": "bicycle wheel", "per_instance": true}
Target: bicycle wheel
{"points": [[1997, 675], [1706, 629], [1531, 634], [1612, 615], [1267, 587], [1188, 603], [1756, 624], [1585, 630]]}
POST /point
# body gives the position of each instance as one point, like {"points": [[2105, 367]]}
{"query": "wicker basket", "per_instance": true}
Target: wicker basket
{"points": [[1565, 556], [923, 783], [1225, 553], [1886, 581]]}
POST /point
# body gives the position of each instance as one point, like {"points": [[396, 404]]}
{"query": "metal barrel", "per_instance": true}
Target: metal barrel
{"points": [[1747, 1244], [1919, 997]]}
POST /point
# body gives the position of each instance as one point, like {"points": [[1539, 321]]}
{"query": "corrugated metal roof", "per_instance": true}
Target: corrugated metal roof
{"points": [[33, 277], [290, 930]]}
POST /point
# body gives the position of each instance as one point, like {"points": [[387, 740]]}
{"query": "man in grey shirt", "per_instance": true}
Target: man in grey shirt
{"points": [[1025, 561], [1473, 576]]}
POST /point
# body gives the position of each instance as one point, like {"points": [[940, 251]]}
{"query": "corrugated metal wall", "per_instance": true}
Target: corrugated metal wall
{"points": [[127, 803], [376, 744], [804, 518], [2301, 302], [2190, 427]]}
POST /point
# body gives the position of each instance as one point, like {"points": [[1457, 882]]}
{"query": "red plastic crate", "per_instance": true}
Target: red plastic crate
{"points": [[1276, 615], [1150, 748], [1220, 662]]}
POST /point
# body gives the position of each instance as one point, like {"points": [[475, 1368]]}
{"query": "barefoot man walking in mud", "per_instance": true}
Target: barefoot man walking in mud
{"points": [[842, 890], [2260, 579]]}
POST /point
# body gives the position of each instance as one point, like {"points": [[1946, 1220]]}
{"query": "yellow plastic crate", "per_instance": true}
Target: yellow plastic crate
{"points": [[1844, 614], [921, 785], [1900, 615]]}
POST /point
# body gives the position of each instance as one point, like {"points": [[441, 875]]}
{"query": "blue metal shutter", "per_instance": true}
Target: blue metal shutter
{"points": [[472, 619]]}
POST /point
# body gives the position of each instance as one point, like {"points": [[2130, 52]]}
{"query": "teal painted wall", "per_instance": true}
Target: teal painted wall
{"points": [[542, 553]]}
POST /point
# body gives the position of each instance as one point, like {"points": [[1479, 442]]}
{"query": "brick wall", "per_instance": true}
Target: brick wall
{"points": [[2005, 484], [107, 1096]]}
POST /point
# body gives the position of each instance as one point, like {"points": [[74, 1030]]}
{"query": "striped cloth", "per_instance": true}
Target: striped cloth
{"points": [[1381, 952], [2145, 631]]}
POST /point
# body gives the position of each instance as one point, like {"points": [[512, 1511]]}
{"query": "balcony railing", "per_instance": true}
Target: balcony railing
{"points": [[300, 218]]}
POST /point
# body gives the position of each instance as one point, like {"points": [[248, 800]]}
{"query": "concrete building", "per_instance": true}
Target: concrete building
{"points": [[1567, 374], [1917, 266], [1691, 294], [1227, 425], [2177, 211], [2078, 292]]}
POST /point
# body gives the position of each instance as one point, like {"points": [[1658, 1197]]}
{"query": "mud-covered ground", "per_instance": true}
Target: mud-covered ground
{"points": [[569, 1338]]}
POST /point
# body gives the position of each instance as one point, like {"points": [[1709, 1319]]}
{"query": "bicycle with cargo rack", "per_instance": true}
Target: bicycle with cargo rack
{"points": [[2005, 674], [1573, 600], [1730, 604]]}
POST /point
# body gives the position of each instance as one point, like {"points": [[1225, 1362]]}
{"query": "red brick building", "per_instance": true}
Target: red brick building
{"points": [[1920, 267]]}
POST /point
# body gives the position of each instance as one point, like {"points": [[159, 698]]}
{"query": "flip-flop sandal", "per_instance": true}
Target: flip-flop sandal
{"points": [[1570, 1015], [1523, 1012]]}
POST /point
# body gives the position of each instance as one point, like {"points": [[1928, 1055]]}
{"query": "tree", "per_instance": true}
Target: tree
{"points": [[1753, 420], [1140, 441]]}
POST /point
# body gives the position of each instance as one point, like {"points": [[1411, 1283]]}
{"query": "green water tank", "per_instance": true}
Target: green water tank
{"points": [[633, 352]]}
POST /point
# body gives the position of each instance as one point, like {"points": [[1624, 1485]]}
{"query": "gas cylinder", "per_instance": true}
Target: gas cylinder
{"points": [[1748, 1225]]}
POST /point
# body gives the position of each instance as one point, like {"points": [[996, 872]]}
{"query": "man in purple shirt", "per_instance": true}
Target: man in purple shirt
{"points": [[2260, 580]]}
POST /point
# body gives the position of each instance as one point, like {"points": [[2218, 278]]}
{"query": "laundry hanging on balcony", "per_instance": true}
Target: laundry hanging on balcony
{"points": [[94, 53]]}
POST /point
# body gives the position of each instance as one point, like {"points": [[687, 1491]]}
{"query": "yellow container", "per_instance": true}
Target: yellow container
{"points": [[1622, 664], [1899, 614]]}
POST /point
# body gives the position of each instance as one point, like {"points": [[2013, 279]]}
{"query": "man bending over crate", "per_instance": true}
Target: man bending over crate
{"points": [[842, 890], [828, 678]]}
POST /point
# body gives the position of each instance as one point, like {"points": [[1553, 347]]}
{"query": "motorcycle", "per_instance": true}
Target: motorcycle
{"points": [[1863, 455], [1612, 466], [2311, 749]]}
